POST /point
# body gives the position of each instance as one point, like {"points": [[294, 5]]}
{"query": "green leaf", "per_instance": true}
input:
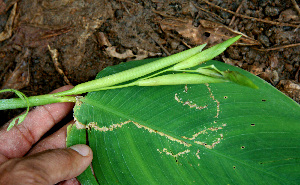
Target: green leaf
{"points": [[206, 55], [19, 119], [238, 78], [78, 136], [177, 79], [191, 134]]}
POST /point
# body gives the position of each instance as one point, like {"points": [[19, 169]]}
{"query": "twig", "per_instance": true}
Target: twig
{"points": [[54, 54], [248, 17], [161, 13], [178, 39], [56, 33], [296, 6], [209, 12], [297, 28], [297, 76], [134, 3], [237, 11], [126, 9], [280, 47]]}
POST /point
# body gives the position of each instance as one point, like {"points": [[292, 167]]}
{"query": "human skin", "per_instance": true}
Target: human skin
{"points": [[25, 158]]}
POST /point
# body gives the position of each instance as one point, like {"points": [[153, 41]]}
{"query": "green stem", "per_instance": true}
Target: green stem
{"points": [[109, 81], [183, 60], [69, 92], [132, 73], [15, 103]]}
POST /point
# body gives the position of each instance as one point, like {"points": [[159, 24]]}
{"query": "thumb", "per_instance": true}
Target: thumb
{"points": [[48, 167]]}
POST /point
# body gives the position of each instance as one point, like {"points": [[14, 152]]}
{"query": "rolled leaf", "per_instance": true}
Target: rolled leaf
{"points": [[206, 55], [179, 79], [238, 78]]}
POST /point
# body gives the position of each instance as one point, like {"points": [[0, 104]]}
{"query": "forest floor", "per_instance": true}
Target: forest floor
{"points": [[47, 44]]}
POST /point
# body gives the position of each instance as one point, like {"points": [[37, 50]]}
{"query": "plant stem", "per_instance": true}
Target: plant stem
{"points": [[132, 73], [179, 61], [15, 103]]}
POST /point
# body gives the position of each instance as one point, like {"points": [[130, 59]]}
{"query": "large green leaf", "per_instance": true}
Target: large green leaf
{"points": [[195, 134]]}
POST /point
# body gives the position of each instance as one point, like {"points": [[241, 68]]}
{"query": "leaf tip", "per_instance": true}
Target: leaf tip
{"points": [[12, 124], [240, 79]]}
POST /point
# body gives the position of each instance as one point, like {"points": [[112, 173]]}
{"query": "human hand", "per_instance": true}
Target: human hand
{"points": [[25, 159]]}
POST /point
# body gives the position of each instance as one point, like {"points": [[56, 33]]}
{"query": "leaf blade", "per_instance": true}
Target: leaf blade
{"points": [[161, 127]]}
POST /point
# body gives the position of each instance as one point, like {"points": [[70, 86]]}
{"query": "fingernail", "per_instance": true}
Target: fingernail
{"points": [[83, 150]]}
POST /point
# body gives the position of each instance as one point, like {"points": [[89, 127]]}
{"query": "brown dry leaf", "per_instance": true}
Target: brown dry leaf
{"points": [[19, 78], [207, 32], [256, 69], [128, 54], [102, 40], [9, 24], [54, 55], [270, 75], [112, 52], [290, 88], [141, 54], [232, 62]]}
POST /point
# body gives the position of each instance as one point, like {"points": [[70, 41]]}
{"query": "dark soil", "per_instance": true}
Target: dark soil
{"points": [[93, 34]]}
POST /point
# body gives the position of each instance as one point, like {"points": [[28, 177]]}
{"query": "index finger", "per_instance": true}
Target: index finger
{"points": [[18, 141]]}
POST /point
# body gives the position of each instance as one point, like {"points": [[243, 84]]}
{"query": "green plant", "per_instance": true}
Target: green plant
{"points": [[221, 133], [182, 130], [137, 76]]}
